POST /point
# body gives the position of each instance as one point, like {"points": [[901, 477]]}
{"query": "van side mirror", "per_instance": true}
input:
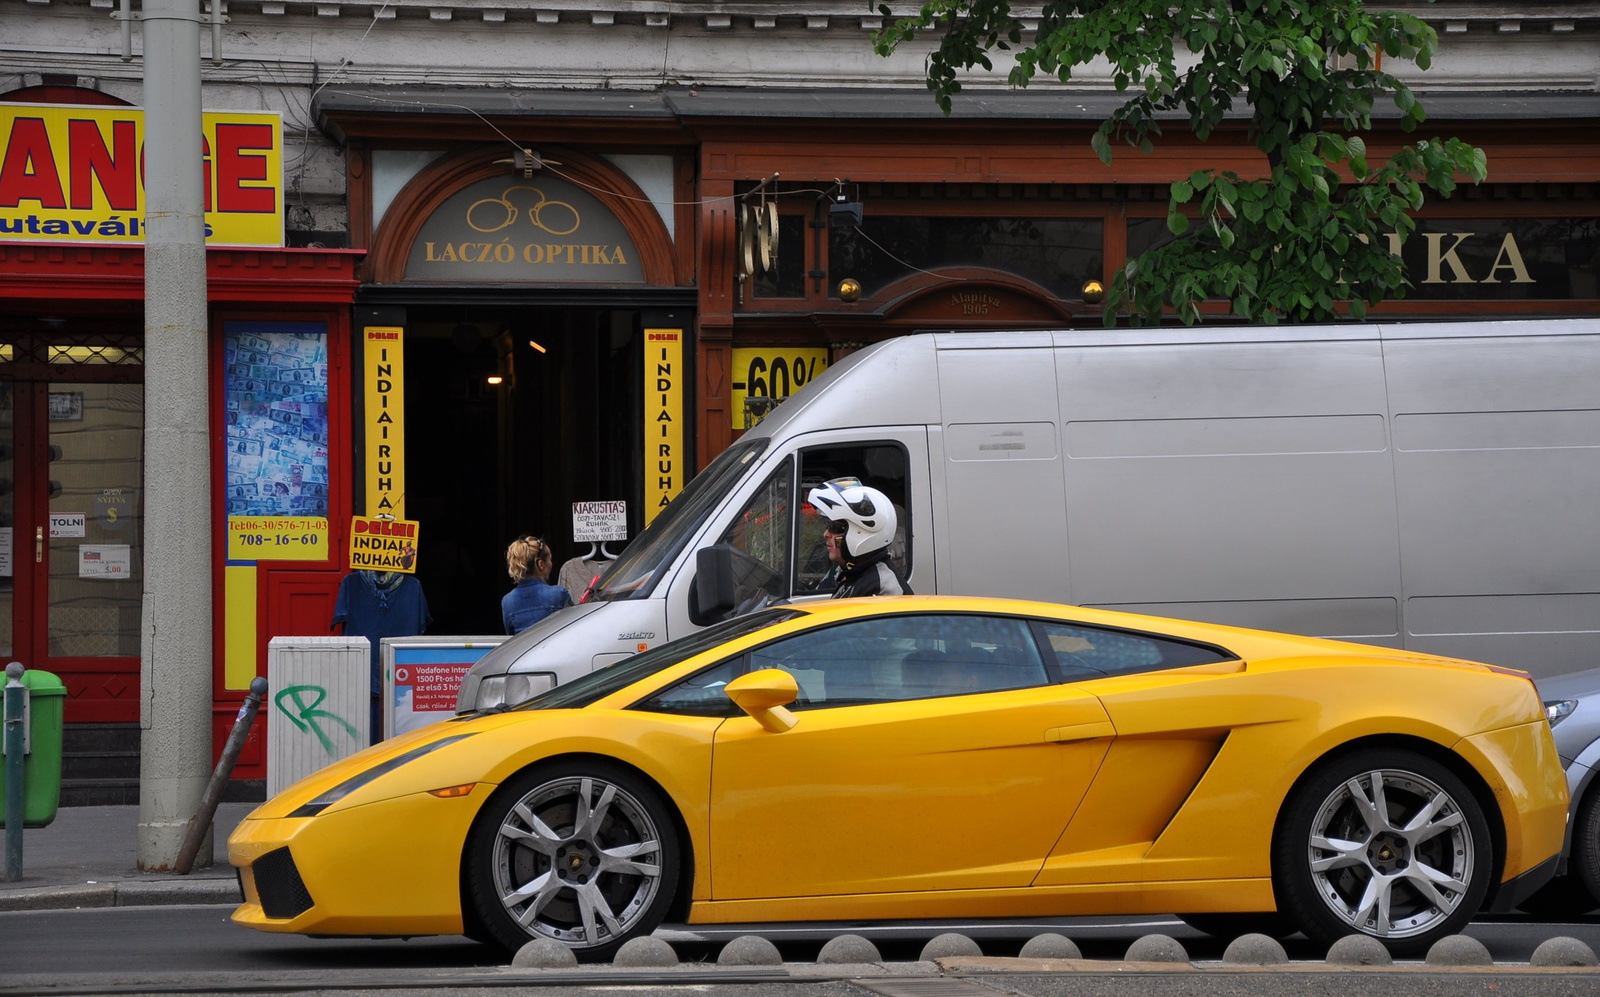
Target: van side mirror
{"points": [[715, 590], [764, 695]]}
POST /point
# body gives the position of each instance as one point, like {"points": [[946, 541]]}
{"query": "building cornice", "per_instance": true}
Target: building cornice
{"points": [[819, 15]]}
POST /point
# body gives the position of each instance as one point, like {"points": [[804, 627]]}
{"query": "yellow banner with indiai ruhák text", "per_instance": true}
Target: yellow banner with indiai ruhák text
{"points": [[74, 174]]}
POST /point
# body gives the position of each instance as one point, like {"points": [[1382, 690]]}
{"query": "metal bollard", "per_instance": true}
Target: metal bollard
{"points": [[219, 777], [14, 759]]}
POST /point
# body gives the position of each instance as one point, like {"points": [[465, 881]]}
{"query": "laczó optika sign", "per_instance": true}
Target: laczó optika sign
{"points": [[72, 174]]}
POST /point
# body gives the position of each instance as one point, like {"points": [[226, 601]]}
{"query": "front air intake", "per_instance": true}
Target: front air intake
{"points": [[283, 893]]}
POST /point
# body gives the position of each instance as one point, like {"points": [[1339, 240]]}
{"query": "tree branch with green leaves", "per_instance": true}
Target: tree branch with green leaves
{"points": [[1303, 241]]}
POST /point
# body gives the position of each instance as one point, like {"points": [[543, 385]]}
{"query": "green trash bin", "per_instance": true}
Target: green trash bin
{"points": [[41, 766]]}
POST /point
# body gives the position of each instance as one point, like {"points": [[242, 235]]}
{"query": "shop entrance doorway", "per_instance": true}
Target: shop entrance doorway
{"points": [[488, 460], [71, 510]]}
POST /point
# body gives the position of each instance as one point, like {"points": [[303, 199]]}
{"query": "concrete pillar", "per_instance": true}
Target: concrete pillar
{"points": [[175, 650]]}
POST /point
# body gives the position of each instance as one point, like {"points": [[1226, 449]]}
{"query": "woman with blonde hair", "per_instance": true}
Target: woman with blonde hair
{"points": [[528, 562]]}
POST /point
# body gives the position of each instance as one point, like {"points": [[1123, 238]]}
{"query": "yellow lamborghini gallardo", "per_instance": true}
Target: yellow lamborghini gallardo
{"points": [[937, 757]]}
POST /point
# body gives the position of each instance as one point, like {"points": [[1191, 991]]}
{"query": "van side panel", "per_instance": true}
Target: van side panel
{"points": [[1244, 483], [1003, 485], [1497, 461]]}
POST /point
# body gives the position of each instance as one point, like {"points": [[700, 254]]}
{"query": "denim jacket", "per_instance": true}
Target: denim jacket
{"points": [[531, 601]]}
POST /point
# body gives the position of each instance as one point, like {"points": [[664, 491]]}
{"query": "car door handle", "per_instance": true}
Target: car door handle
{"points": [[1080, 732]]}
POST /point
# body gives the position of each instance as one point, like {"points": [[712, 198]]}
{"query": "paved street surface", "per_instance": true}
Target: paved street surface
{"points": [[110, 945], [195, 948]]}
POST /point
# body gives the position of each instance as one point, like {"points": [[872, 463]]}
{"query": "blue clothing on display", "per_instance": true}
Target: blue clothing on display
{"points": [[376, 605], [531, 601]]}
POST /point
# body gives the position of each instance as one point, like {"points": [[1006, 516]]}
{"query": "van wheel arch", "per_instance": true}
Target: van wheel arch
{"points": [[1457, 765], [677, 913]]}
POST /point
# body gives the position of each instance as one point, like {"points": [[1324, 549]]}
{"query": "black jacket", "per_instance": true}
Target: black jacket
{"points": [[876, 577]]}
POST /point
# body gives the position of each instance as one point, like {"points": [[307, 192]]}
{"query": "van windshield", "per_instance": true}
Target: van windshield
{"points": [[640, 567]]}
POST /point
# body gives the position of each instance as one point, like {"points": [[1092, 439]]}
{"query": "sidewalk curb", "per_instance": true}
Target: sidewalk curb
{"points": [[131, 893]]}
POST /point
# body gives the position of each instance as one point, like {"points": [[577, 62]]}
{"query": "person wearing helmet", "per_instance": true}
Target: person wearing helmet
{"points": [[861, 526]]}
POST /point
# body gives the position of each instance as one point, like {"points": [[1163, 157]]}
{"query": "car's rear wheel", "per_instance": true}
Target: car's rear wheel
{"points": [[1390, 844], [584, 853]]}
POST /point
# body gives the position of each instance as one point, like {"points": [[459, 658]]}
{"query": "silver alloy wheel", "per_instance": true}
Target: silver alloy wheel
{"points": [[577, 859], [1391, 853]]}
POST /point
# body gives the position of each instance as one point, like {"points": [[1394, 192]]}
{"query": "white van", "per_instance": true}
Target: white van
{"points": [[1432, 486]]}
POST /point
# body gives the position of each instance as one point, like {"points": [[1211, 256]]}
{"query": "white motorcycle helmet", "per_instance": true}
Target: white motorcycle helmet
{"points": [[868, 513]]}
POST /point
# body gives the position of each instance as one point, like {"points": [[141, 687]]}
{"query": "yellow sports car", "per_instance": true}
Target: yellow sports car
{"points": [[937, 757]]}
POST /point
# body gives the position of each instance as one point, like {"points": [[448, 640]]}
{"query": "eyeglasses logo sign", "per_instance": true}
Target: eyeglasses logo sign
{"points": [[499, 232], [508, 213]]}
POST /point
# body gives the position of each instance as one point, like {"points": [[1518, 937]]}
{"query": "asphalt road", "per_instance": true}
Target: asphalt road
{"points": [[140, 942]]}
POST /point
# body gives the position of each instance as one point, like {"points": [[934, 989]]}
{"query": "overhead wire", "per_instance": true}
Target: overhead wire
{"points": [[776, 192]]}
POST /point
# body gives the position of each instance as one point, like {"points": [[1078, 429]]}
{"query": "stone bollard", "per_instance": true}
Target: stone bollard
{"points": [[1458, 950], [1255, 950], [949, 944], [1359, 950], [1050, 946], [544, 953], [644, 952], [1156, 948], [749, 950], [1563, 951], [848, 949]]}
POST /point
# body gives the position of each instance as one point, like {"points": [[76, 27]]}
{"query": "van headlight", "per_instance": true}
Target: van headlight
{"points": [[509, 690]]}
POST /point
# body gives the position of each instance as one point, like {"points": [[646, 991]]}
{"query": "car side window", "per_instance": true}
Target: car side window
{"points": [[879, 465], [702, 694], [885, 659], [1083, 652]]}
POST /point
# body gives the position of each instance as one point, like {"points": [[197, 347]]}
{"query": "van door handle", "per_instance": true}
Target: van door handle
{"points": [[38, 545], [1080, 732]]}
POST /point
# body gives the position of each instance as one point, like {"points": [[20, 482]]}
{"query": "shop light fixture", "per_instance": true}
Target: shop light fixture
{"points": [[536, 346], [496, 379]]}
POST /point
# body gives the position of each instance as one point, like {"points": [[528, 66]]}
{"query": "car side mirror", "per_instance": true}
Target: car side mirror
{"points": [[764, 695], [715, 589]]}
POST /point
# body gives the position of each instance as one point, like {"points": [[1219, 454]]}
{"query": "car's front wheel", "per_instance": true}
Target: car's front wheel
{"points": [[1390, 844], [583, 853]]}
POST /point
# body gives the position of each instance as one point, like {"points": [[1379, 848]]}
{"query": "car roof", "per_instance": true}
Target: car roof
{"points": [[1254, 645]]}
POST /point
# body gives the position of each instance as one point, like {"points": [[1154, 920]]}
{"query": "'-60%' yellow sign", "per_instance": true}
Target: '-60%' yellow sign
{"points": [[763, 376]]}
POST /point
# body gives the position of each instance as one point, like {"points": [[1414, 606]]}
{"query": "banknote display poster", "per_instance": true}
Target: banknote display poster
{"points": [[276, 415]]}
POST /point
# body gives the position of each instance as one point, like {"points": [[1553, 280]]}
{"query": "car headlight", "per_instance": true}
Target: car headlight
{"points": [[491, 693], [509, 690], [350, 785], [1557, 710]]}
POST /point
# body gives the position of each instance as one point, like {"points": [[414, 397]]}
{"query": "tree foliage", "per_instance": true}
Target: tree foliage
{"points": [[1299, 242]]}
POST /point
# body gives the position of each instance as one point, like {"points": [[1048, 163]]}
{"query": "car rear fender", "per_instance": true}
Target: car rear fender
{"points": [[1465, 770]]}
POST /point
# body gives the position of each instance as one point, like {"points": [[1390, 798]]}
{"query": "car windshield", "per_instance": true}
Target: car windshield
{"points": [[639, 568], [599, 684]]}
